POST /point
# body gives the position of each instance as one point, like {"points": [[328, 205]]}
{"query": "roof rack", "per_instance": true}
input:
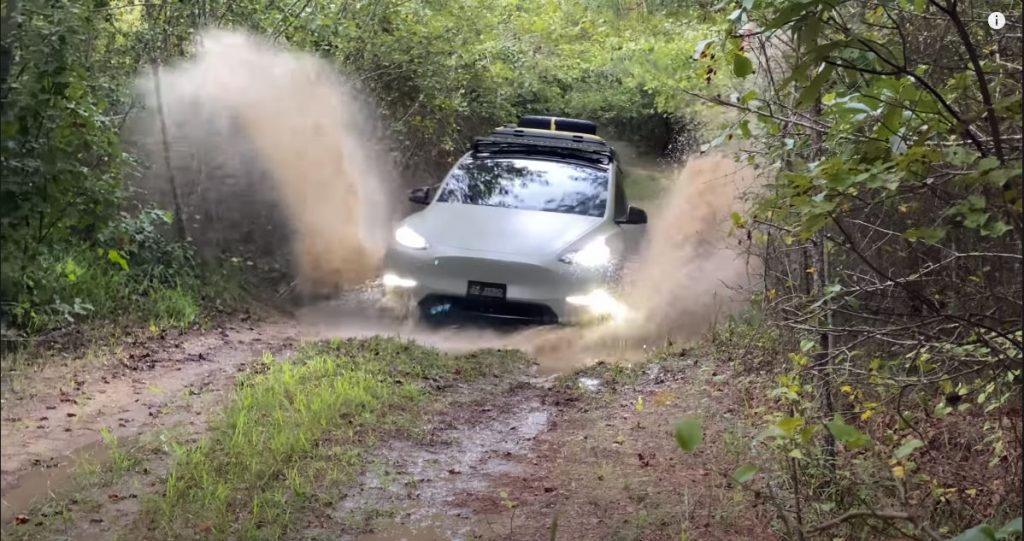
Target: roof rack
{"points": [[514, 138]]}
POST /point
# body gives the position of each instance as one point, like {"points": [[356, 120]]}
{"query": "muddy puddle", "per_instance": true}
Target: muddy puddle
{"points": [[49, 477], [360, 314], [424, 486]]}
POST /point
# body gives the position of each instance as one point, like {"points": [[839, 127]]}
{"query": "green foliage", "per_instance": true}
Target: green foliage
{"points": [[744, 474], [61, 155], [134, 271], [846, 434], [689, 434], [70, 252], [984, 532], [442, 74], [890, 228], [907, 448]]}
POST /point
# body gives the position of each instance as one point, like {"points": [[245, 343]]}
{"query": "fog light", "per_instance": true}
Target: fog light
{"points": [[394, 280], [599, 302]]}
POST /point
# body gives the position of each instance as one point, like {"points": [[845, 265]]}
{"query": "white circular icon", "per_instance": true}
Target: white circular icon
{"points": [[996, 20]]}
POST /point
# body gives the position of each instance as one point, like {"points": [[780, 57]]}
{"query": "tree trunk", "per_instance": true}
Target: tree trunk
{"points": [[6, 45], [179, 215]]}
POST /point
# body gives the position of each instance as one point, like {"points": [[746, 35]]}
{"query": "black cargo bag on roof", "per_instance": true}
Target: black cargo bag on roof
{"points": [[553, 123]]}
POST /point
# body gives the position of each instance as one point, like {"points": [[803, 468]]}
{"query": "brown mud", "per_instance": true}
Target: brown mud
{"points": [[483, 434], [58, 417], [576, 455], [499, 459]]}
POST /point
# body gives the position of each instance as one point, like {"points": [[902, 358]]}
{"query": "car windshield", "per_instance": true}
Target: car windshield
{"points": [[528, 184]]}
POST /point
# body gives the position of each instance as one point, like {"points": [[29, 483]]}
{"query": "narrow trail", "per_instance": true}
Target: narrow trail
{"points": [[155, 384], [498, 462]]}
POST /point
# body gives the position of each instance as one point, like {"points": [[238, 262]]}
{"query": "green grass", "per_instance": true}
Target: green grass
{"points": [[173, 308], [298, 431]]}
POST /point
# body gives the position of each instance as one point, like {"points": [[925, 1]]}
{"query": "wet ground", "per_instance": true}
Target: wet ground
{"points": [[422, 486], [501, 460], [55, 418]]}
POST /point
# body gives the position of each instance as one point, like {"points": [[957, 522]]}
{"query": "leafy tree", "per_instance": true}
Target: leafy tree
{"points": [[890, 234]]}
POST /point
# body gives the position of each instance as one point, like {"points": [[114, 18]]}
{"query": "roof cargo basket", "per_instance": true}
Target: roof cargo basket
{"points": [[528, 140], [553, 123]]}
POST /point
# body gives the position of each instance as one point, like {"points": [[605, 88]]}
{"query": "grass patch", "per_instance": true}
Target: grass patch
{"points": [[297, 432], [174, 308]]}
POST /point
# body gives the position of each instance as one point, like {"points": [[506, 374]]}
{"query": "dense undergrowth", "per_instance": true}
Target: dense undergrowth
{"points": [[888, 228], [133, 274], [922, 465]]}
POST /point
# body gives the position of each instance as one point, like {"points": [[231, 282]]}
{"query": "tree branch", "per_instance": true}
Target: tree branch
{"points": [[986, 96], [859, 513]]}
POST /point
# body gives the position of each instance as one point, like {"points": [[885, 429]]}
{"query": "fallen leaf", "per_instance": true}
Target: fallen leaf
{"points": [[72, 414]]}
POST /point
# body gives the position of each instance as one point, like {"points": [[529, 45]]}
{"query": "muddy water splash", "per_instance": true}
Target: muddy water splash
{"points": [[685, 280], [305, 126]]}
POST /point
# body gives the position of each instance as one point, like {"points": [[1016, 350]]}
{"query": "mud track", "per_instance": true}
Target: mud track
{"points": [[501, 459], [151, 384]]}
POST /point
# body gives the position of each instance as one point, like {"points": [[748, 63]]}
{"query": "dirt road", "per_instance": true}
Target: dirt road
{"points": [[502, 460]]}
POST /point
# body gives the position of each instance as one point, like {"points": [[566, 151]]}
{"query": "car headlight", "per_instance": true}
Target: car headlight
{"points": [[410, 239], [601, 303], [594, 254]]}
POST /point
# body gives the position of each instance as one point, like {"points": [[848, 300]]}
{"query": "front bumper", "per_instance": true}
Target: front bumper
{"points": [[537, 288]]}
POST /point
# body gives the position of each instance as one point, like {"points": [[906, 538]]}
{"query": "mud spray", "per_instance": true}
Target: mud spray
{"points": [[307, 129], [689, 275], [241, 100]]}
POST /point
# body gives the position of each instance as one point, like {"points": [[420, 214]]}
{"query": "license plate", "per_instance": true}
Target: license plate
{"points": [[486, 290]]}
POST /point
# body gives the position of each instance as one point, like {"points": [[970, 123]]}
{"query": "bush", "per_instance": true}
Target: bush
{"points": [[133, 268]]}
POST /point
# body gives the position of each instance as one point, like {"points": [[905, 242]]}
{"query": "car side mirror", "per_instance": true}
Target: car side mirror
{"points": [[634, 216], [420, 196]]}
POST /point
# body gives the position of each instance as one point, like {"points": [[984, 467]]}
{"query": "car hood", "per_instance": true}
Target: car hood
{"points": [[500, 230]]}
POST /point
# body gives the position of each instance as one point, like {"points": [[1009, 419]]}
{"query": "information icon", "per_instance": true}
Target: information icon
{"points": [[996, 20]]}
